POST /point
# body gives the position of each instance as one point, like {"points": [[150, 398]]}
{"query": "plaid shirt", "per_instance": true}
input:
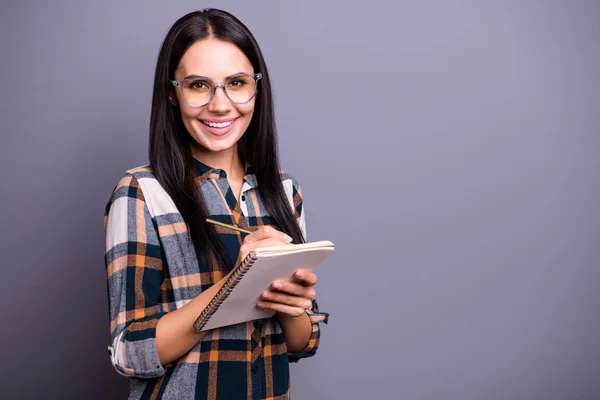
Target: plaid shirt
{"points": [[152, 269]]}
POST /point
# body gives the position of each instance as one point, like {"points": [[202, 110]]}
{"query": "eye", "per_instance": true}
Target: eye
{"points": [[197, 84], [238, 82]]}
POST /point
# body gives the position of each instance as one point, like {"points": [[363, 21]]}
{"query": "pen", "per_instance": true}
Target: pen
{"points": [[235, 228]]}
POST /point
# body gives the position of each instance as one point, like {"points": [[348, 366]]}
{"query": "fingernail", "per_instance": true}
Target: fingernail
{"points": [[277, 285], [267, 295], [299, 274], [287, 238]]}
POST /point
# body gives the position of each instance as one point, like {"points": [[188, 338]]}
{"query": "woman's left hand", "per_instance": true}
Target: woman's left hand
{"points": [[293, 298]]}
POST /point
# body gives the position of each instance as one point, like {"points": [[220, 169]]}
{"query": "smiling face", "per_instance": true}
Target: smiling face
{"points": [[217, 126]]}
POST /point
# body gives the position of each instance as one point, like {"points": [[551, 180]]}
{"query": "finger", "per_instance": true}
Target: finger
{"points": [[293, 288], [268, 242], [306, 277], [282, 308], [267, 232], [246, 248], [287, 299]]}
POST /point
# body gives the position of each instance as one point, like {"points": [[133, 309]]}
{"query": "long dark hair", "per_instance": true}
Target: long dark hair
{"points": [[169, 148]]}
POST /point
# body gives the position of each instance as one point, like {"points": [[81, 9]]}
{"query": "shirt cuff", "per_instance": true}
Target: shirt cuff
{"points": [[316, 317], [133, 352]]}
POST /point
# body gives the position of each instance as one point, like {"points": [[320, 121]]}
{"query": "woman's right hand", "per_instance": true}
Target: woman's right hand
{"points": [[175, 334], [265, 236]]}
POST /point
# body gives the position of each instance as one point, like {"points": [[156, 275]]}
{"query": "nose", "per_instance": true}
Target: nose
{"points": [[220, 104]]}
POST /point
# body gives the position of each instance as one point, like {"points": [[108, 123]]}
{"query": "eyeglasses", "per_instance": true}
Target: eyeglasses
{"points": [[198, 92]]}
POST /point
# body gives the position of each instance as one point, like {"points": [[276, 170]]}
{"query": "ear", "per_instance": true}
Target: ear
{"points": [[173, 99]]}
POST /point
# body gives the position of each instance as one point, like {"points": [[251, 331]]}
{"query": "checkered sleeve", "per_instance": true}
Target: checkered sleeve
{"points": [[134, 270], [316, 317]]}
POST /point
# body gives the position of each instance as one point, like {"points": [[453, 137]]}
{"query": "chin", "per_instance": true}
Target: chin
{"points": [[212, 145]]}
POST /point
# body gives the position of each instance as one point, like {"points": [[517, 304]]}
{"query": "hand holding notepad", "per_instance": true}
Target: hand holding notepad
{"points": [[236, 300]]}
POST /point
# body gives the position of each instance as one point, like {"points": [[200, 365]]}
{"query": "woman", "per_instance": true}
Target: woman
{"points": [[213, 154]]}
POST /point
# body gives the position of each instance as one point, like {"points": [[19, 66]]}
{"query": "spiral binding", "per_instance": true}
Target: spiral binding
{"points": [[224, 292]]}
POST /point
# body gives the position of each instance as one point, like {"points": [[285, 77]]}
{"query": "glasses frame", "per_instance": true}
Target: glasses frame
{"points": [[216, 86]]}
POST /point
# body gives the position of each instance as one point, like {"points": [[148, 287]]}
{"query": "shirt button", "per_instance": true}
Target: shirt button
{"points": [[243, 198], [255, 370]]}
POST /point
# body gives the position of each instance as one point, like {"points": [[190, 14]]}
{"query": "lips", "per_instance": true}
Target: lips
{"points": [[218, 127], [220, 124]]}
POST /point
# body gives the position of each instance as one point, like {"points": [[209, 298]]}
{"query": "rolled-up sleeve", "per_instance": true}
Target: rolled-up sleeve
{"points": [[134, 270], [316, 317]]}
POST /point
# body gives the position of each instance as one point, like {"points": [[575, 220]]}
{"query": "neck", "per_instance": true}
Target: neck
{"points": [[227, 160]]}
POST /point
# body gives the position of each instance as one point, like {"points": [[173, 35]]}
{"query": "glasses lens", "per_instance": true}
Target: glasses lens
{"points": [[240, 89], [197, 92]]}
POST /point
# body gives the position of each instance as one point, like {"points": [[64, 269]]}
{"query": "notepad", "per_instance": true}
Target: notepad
{"points": [[236, 301]]}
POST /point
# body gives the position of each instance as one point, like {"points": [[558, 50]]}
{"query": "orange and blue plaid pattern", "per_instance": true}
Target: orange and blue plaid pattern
{"points": [[152, 269]]}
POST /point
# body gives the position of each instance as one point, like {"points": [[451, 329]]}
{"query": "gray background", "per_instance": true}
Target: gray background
{"points": [[449, 149]]}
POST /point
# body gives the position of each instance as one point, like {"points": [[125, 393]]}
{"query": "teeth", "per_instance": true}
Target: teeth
{"points": [[218, 124]]}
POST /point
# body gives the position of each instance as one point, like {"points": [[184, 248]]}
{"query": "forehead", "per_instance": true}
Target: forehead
{"points": [[213, 58]]}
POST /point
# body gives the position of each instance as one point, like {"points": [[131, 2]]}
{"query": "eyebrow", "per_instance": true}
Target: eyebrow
{"points": [[204, 77]]}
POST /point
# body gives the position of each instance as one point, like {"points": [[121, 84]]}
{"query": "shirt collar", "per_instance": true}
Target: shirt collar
{"points": [[201, 169], [202, 172]]}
